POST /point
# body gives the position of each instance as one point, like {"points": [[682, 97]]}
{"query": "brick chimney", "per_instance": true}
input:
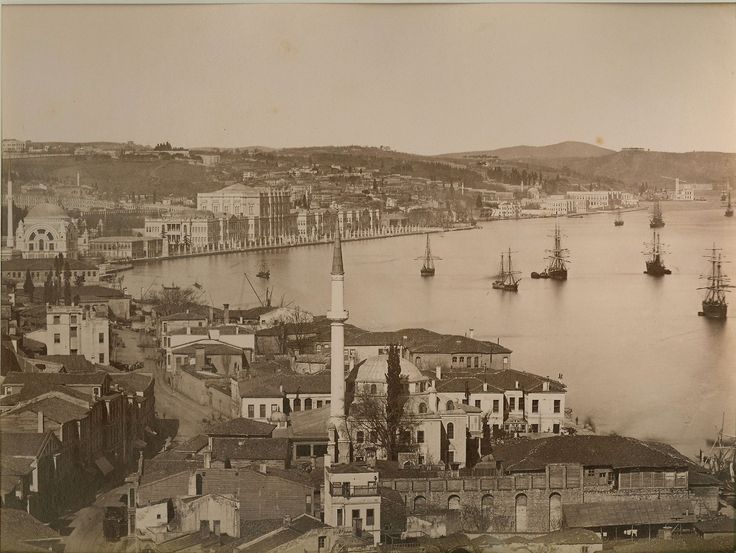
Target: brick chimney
{"points": [[226, 313]]}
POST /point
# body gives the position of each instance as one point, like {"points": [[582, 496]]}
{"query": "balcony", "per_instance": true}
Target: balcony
{"points": [[346, 490]]}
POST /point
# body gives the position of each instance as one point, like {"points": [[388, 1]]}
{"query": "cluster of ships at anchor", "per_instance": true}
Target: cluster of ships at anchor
{"points": [[714, 305]]}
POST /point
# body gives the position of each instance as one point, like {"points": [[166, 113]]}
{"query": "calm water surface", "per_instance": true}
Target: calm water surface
{"points": [[632, 350]]}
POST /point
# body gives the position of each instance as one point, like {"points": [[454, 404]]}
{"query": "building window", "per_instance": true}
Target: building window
{"points": [[101, 337], [477, 403], [274, 407], [534, 428], [535, 406], [360, 437], [420, 436], [450, 430], [454, 359], [339, 517], [102, 357], [57, 319], [521, 404], [96, 391], [422, 407], [556, 428], [590, 472], [73, 319], [73, 332], [369, 517], [505, 362], [57, 338], [308, 404], [251, 411], [319, 403], [495, 405], [449, 406], [512, 404], [321, 542], [557, 406], [262, 411]]}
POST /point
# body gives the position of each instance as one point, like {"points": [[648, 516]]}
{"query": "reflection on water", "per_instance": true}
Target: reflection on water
{"points": [[633, 352]]}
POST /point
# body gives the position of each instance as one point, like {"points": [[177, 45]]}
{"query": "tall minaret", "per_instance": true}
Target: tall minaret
{"points": [[339, 441], [10, 242]]}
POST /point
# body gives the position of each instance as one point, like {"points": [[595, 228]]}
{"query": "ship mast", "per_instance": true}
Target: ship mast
{"points": [[558, 254], [718, 282], [428, 256]]}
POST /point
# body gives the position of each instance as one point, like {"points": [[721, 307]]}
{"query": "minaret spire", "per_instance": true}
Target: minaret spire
{"points": [[339, 441]]}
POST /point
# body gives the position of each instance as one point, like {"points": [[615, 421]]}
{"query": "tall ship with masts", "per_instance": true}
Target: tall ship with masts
{"points": [[507, 278], [729, 207], [714, 303], [656, 221], [655, 263], [558, 259], [427, 269]]}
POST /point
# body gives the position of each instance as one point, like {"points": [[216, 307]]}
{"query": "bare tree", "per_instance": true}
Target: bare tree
{"points": [[175, 300]]}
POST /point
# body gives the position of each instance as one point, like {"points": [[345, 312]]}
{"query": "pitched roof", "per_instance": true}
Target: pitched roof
{"points": [[310, 424], [72, 363], [190, 315], [54, 408], [23, 444], [255, 449], [498, 381], [210, 347], [95, 291], [602, 451], [253, 313], [241, 427], [299, 526], [19, 530], [450, 344], [81, 379], [619, 513], [292, 383], [132, 382]]}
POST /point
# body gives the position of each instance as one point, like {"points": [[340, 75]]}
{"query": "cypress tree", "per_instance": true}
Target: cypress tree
{"points": [[28, 286], [394, 401]]}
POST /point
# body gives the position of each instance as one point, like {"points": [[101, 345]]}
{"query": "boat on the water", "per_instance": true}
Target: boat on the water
{"points": [[656, 221], [729, 207], [655, 264], [506, 279], [427, 269], [619, 222], [558, 260], [714, 303], [264, 273]]}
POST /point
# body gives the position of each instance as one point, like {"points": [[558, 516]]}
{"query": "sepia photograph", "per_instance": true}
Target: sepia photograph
{"points": [[368, 278]]}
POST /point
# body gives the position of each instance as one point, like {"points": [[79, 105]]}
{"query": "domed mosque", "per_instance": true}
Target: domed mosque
{"points": [[45, 232]]}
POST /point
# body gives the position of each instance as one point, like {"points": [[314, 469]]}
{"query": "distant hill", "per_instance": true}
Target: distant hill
{"points": [[564, 150]]}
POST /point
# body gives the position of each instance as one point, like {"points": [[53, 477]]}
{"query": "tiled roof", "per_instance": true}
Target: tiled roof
{"points": [[470, 383], [590, 451], [94, 291], [185, 316], [310, 424], [132, 382], [292, 384], [210, 348], [628, 513], [255, 449], [72, 363], [450, 344], [54, 408], [44, 264], [299, 526], [254, 313], [95, 378], [23, 444], [241, 427], [18, 528], [719, 525], [506, 379]]}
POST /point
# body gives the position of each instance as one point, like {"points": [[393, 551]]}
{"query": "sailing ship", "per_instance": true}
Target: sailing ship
{"points": [[720, 461], [264, 273], [655, 265], [656, 221], [619, 222], [714, 303], [427, 269], [506, 279], [557, 268], [729, 207]]}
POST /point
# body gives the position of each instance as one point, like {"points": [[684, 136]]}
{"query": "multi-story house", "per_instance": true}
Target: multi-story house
{"points": [[76, 330], [352, 499]]}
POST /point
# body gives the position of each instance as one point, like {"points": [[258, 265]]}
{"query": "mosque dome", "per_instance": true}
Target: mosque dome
{"points": [[374, 369], [47, 210]]}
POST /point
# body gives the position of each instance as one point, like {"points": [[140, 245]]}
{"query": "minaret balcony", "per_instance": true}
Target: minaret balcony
{"points": [[338, 315]]}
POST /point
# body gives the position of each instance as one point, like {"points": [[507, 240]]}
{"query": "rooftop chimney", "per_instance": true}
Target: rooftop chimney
{"points": [[516, 384], [471, 333], [545, 386], [189, 329], [263, 468], [226, 313], [438, 372], [485, 386]]}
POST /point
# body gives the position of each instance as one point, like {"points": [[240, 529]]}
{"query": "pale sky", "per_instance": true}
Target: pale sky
{"points": [[420, 78]]}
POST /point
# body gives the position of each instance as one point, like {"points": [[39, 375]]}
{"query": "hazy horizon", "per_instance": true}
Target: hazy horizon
{"points": [[423, 79]]}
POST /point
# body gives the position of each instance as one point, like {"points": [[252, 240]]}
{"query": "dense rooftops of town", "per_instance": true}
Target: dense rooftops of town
{"points": [[280, 384], [241, 427], [498, 381]]}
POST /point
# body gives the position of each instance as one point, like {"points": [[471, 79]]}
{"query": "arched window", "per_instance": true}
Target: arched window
{"points": [[297, 404], [453, 502], [373, 436], [450, 405], [420, 502], [360, 437], [307, 403], [520, 513], [422, 407], [555, 512], [374, 389], [486, 506], [450, 430]]}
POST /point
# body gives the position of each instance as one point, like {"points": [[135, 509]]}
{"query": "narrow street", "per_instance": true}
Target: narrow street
{"points": [[87, 534]]}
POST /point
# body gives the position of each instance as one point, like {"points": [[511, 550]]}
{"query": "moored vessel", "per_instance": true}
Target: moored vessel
{"points": [[558, 260], [714, 303], [506, 279], [427, 269], [729, 207], [655, 264], [264, 272], [656, 221]]}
